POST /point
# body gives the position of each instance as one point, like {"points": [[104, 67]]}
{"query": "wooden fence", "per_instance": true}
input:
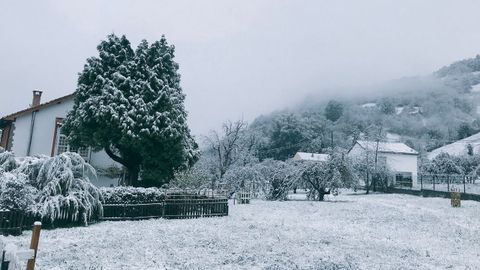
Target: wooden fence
{"points": [[11, 222], [132, 211], [178, 207], [195, 208]]}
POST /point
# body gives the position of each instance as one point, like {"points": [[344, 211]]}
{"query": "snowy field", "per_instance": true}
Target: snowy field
{"points": [[377, 231]]}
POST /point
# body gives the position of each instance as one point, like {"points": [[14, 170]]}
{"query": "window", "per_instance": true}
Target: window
{"points": [[403, 179], [64, 147], [62, 144]]}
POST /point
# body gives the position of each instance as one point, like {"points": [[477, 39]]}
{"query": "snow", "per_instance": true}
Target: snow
{"points": [[311, 156], [369, 105], [475, 88], [399, 110], [393, 137], [458, 148], [387, 147], [378, 231]]}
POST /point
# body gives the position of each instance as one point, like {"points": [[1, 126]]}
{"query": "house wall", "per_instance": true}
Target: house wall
{"points": [[402, 163], [20, 135], [396, 162], [43, 134]]}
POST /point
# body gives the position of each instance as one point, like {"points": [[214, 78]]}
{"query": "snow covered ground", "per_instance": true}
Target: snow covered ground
{"points": [[378, 231]]}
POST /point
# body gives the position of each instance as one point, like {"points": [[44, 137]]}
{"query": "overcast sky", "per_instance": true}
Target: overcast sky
{"points": [[237, 58]]}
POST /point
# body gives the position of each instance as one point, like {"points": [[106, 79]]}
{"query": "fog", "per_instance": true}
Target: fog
{"points": [[238, 59]]}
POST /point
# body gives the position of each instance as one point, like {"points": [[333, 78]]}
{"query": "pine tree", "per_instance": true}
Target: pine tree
{"points": [[130, 104]]}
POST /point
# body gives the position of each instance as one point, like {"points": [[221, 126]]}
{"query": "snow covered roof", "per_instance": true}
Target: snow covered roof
{"points": [[36, 108], [369, 105], [458, 148], [311, 156], [388, 147]]}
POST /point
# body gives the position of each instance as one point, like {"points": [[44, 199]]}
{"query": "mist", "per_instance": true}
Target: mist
{"points": [[238, 59]]}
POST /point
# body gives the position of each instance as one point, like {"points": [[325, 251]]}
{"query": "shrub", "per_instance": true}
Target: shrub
{"points": [[15, 194], [7, 161], [54, 189], [132, 195]]}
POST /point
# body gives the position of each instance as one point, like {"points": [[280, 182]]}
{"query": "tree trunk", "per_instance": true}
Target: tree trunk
{"points": [[321, 195], [132, 177], [133, 170]]}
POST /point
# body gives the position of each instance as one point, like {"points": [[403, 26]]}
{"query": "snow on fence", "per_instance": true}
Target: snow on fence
{"points": [[175, 207]]}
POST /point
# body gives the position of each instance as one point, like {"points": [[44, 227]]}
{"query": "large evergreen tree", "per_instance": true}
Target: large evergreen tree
{"points": [[130, 104]]}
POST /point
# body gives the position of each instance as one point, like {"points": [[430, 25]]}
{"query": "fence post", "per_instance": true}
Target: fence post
{"points": [[448, 182], [464, 189], [421, 181], [4, 265], [434, 176], [37, 226]]}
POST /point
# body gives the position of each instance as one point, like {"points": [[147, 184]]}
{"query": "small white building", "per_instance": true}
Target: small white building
{"points": [[459, 148], [36, 131], [400, 158], [310, 156]]}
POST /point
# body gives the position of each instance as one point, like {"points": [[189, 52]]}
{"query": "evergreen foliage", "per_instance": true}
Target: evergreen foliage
{"points": [[130, 104], [333, 110]]}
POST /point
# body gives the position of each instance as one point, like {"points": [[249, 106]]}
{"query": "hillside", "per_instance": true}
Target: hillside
{"points": [[424, 112]]}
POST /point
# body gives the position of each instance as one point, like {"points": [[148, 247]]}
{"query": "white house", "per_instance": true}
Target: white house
{"points": [[36, 131], [310, 156], [400, 158], [458, 148]]}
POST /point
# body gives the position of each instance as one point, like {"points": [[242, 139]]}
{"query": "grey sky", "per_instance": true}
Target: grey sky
{"points": [[237, 58]]}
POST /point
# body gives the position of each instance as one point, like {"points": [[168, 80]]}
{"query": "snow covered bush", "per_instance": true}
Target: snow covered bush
{"points": [[132, 195], [279, 177], [244, 178], [327, 177], [193, 178], [16, 194], [442, 164], [7, 161], [52, 188]]}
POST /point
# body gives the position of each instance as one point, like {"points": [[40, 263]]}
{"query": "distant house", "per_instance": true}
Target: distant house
{"points": [[310, 156], [400, 158], [459, 148], [36, 131]]}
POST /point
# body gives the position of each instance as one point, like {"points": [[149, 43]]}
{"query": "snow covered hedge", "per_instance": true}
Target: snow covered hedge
{"points": [[51, 188], [132, 195]]}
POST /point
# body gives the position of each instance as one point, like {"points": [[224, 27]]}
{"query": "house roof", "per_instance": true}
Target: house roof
{"points": [[458, 148], [387, 147], [11, 117], [311, 156]]}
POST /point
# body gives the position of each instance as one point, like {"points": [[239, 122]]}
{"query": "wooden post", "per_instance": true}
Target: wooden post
{"points": [[464, 191], [421, 181], [37, 226], [448, 182]]}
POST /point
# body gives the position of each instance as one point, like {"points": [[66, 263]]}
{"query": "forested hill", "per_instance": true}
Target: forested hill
{"points": [[463, 75], [424, 112]]}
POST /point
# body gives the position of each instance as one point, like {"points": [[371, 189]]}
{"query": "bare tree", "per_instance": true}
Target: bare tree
{"points": [[225, 146]]}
